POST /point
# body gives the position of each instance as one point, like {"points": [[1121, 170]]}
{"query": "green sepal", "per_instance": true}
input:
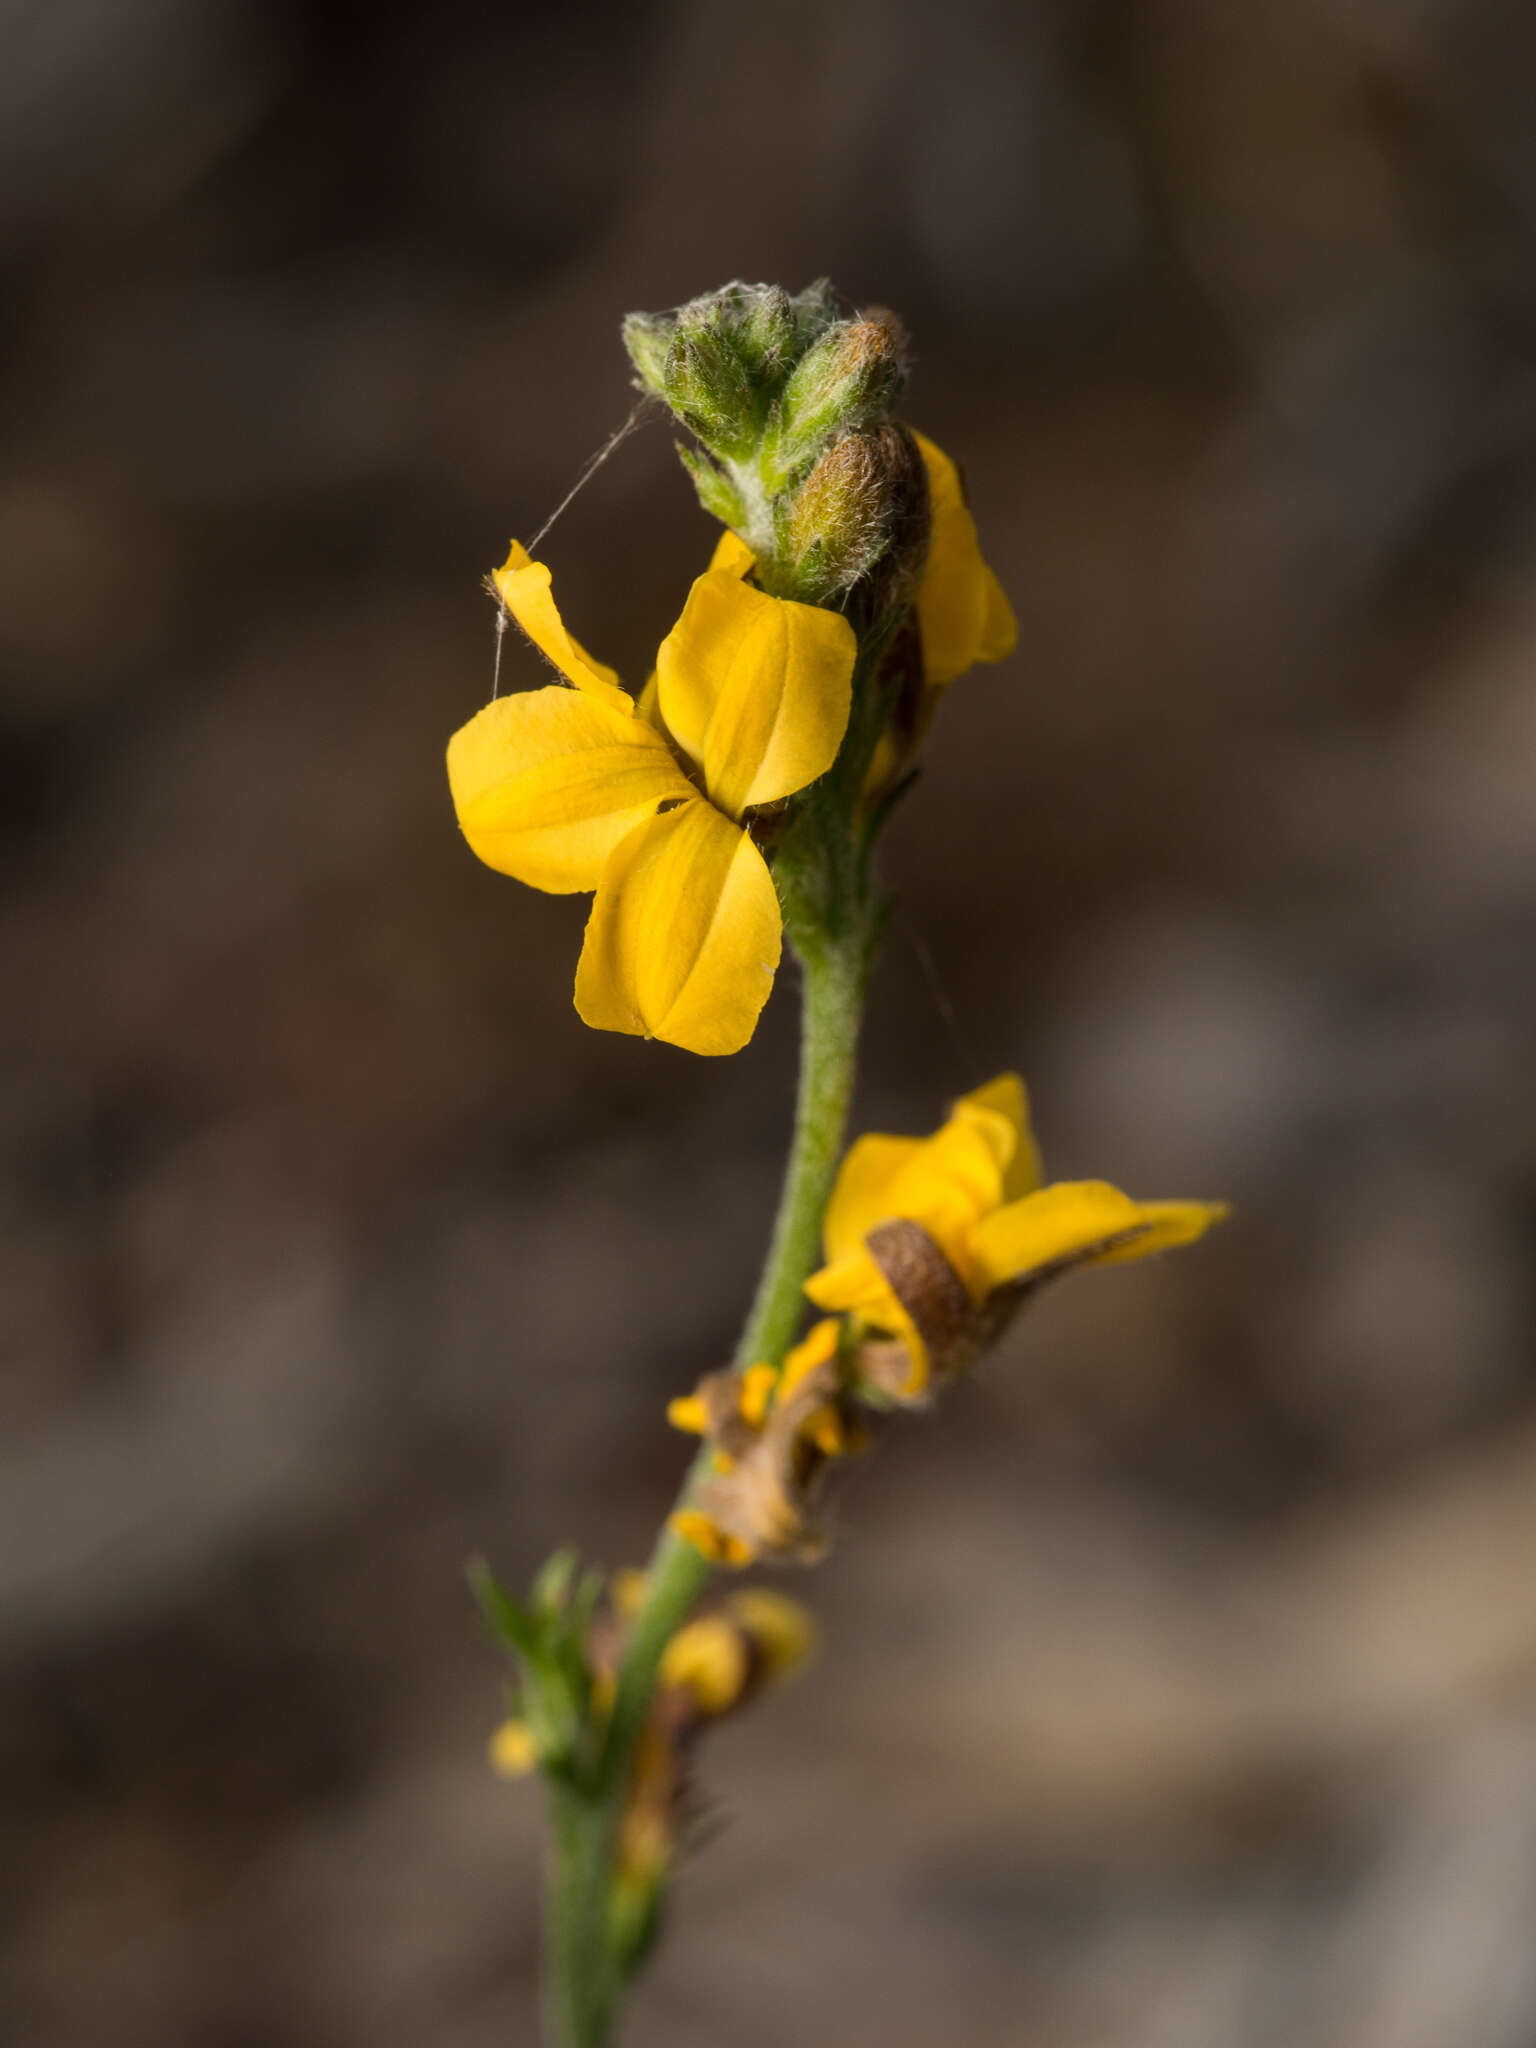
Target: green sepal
{"points": [[648, 338], [709, 388], [717, 494], [514, 1627]]}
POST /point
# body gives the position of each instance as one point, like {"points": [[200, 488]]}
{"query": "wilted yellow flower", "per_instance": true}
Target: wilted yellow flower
{"points": [[574, 789], [773, 1433], [921, 1232], [962, 614]]}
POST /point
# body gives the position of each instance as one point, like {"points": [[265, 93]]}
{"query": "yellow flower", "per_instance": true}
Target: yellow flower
{"points": [[773, 1433], [714, 1665], [973, 1192], [709, 1660], [718, 1658], [962, 614], [574, 789], [781, 1632]]}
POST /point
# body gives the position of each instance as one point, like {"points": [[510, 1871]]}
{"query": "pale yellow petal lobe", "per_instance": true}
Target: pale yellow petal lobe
{"points": [[756, 689], [1167, 1224], [962, 614], [548, 782], [1064, 1221], [865, 1190], [732, 552], [1000, 1111], [523, 586], [684, 936]]}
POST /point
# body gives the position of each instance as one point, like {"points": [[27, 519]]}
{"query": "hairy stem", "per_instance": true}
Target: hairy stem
{"points": [[582, 1978]]}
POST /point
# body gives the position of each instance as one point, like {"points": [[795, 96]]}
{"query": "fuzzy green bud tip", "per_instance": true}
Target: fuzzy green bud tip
{"points": [[648, 337], [863, 506], [847, 380], [722, 360]]}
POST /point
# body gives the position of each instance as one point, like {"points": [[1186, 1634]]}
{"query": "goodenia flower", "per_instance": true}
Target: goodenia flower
{"points": [[962, 615], [933, 1242], [578, 788]]}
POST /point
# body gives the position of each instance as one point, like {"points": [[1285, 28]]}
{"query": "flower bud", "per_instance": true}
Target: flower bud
{"points": [[708, 386], [847, 379], [722, 359], [864, 504]]}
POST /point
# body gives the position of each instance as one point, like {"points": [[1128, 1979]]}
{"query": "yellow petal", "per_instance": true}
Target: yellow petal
{"points": [[817, 1346], [648, 704], [757, 1385], [710, 1542], [999, 628], [512, 1750], [782, 1632], [855, 1286], [1167, 1224], [756, 689], [824, 1428], [523, 586], [732, 552], [864, 1191], [688, 1413], [944, 1182], [962, 614], [548, 782], [1063, 1221], [708, 1659], [1000, 1112], [684, 936]]}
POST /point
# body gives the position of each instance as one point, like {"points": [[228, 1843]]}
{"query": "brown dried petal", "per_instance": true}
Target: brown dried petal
{"points": [[766, 1497], [954, 1329]]}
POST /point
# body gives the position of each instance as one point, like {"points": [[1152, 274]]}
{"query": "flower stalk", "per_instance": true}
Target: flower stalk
{"points": [[732, 805]]}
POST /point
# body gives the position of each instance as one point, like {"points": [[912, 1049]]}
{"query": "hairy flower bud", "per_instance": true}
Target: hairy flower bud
{"points": [[864, 506], [846, 380], [721, 360], [708, 384]]}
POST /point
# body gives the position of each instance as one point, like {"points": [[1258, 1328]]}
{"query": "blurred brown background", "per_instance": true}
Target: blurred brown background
{"points": [[1180, 1678]]}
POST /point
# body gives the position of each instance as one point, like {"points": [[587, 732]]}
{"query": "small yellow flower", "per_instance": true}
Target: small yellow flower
{"points": [[581, 788], [974, 1191], [962, 614], [709, 1660], [779, 1629]]}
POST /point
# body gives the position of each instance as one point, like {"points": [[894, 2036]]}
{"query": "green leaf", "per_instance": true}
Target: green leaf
{"points": [[552, 1583], [512, 1624]]}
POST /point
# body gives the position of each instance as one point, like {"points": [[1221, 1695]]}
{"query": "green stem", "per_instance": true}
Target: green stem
{"points": [[583, 1988], [577, 1975], [836, 971]]}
